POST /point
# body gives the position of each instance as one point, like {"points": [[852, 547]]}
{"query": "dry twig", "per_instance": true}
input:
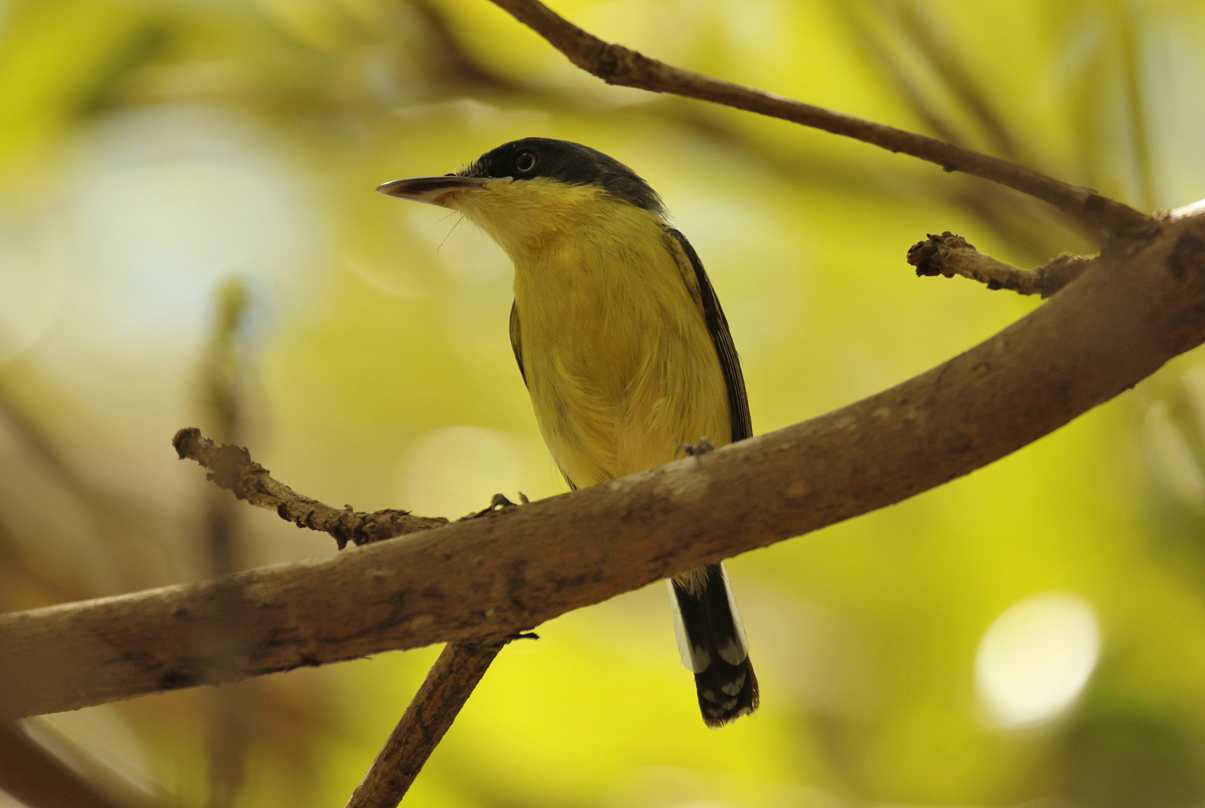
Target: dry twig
{"points": [[232, 468], [950, 255], [616, 64]]}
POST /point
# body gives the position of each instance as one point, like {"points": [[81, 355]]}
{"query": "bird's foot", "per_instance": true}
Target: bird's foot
{"points": [[524, 635], [499, 502], [694, 449]]}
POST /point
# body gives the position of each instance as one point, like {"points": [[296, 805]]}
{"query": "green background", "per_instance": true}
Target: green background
{"points": [[159, 158]]}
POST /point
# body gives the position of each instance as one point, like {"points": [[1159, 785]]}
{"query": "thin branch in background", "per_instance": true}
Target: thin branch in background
{"points": [[50, 583], [1183, 403], [950, 255], [231, 468], [434, 707], [231, 708], [451, 62], [1013, 219], [126, 522], [1129, 32], [1010, 217], [903, 86], [616, 64], [448, 684], [921, 27], [38, 779]]}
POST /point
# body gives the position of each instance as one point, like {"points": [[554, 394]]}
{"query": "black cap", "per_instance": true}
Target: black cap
{"points": [[570, 163]]}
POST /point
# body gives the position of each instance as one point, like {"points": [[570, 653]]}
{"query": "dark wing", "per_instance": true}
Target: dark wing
{"points": [[516, 343], [717, 326]]}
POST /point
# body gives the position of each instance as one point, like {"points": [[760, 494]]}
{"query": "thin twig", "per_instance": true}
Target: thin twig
{"points": [[950, 255], [432, 710], [616, 64], [232, 468]]}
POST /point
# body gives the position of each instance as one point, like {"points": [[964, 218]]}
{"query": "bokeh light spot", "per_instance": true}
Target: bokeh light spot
{"points": [[1035, 659]]}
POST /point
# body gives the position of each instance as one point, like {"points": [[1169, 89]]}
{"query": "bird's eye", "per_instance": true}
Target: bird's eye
{"points": [[525, 162]]}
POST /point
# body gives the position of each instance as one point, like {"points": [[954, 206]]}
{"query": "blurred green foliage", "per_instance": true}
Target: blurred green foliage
{"points": [[153, 149]]}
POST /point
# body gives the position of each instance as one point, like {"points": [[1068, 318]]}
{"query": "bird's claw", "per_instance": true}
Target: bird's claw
{"points": [[499, 502], [694, 449], [523, 635]]}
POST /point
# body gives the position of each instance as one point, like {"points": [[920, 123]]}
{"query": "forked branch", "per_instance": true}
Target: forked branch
{"points": [[616, 64]]}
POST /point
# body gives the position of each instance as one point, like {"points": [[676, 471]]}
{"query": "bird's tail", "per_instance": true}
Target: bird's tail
{"points": [[712, 641]]}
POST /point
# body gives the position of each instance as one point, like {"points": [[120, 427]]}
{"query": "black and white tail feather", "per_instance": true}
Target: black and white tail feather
{"points": [[712, 641]]}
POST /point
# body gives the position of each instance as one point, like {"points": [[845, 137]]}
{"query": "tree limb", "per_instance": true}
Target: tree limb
{"points": [[950, 255], [616, 64], [1139, 303], [448, 685]]}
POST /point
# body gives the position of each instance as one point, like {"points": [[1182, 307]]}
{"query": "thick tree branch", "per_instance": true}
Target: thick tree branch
{"points": [[616, 64], [1138, 304], [950, 255], [431, 712], [232, 468]]}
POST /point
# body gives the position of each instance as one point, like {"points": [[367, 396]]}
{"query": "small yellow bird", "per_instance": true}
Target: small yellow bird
{"points": [[623, 347]]}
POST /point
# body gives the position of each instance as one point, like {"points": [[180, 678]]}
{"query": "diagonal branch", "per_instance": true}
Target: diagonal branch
{"points": [[448, 685], [616, 64], [951, 255], [1136, 306]]}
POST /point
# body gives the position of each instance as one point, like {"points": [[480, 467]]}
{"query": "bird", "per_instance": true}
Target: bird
{"points": [[622, 345]]}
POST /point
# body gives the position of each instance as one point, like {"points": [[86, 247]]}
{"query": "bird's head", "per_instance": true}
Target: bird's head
{"points": [[528, 191]]}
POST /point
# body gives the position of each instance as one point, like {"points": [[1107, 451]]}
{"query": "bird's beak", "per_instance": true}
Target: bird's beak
{"points": [[432, 190]]}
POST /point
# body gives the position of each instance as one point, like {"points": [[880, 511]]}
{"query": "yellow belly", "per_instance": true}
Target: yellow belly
{"points": [[618, 360]]}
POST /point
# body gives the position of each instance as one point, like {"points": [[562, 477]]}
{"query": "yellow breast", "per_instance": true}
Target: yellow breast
{"points": [[619, 363]]}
